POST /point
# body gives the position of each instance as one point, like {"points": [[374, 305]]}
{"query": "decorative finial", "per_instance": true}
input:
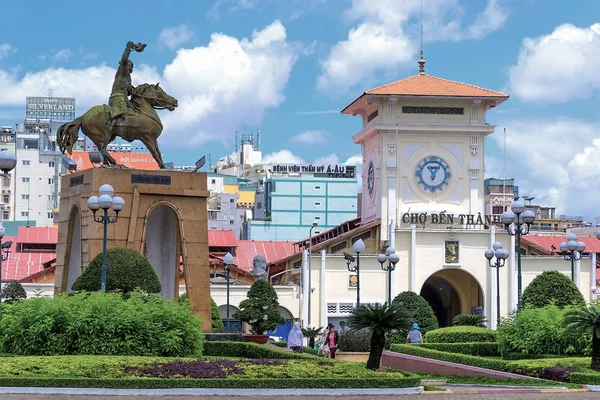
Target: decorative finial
{"points": [[421, 64], [422, 60]]}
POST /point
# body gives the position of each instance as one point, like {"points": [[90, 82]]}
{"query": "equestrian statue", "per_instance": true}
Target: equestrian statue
{"points": [[132, 118]]}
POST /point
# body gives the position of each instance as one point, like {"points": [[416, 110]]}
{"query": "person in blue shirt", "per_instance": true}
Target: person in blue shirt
{"points": [[414, 335]]}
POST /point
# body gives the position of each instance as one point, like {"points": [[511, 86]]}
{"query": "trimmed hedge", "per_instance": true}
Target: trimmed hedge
{"points": [[473, 361], [159, 383], [552, 287], [460, 334], [522, 356], [483, 349], [586, 378], [249, 350]]}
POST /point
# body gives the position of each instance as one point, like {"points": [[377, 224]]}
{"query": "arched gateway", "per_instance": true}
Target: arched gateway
{"points": [[451, 292]]}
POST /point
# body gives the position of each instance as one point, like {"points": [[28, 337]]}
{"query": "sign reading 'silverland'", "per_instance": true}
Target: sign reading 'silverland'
{"points": [[54, 108]]}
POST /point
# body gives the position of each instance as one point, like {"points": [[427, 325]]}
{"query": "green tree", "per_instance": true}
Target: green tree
{"points": [[469, 320], [126, 270], [312, 334], [418, 310], [587, 320], [13, 291], [261, 308], [552, 287], [380, 319]]}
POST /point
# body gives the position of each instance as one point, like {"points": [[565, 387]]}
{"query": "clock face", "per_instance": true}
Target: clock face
{"points": [[433, 174], [371, 178]]}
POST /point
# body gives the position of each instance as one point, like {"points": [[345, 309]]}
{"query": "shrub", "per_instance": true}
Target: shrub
{"points": [[248, 350], [540, 331], [261, 308], [482, 349], [558, 373], [13, 291], [418, 309], [552, 287], [126, 270], [355, 340], [99, 323], [460, 334], [215, 315], [469, 320]]}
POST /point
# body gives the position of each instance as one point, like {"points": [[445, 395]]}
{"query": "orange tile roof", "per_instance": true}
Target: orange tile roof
{"points": [[427, 85], [221, 238]]}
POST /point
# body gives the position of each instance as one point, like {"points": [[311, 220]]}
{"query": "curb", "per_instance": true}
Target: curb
{"points": [[210, 392]]}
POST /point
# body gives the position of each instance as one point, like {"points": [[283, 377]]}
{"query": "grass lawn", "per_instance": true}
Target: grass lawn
{"points": [[156, 372]]}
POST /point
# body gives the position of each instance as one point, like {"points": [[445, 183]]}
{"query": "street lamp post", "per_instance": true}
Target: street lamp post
{"points": [[517, 223], [105, 202], [390, 254], [227, 260], [501, 256], [8, 162], [572, 250], [358, 247], [314, 224]]}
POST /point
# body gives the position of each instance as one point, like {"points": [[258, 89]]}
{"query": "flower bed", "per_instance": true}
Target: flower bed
{"points": [[148, 372]]}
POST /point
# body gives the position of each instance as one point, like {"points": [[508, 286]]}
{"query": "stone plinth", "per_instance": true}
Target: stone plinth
{"points": [[164, 218]]}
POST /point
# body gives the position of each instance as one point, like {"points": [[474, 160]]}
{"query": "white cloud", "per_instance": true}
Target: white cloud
{"points": [[317, 112], [386, 37], [228, 83], [6, 49], [174, 37], [282, 157], [555, 160], [558, 67], [89, 86], [62, 55], [234, 6], [223, 86], [310, 137]]}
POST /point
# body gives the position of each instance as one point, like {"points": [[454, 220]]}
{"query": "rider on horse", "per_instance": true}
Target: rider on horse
{"points": [[122, 86]]}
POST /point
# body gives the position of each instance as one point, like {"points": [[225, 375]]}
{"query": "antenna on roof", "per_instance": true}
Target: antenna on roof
{"points": [[422, 59]]}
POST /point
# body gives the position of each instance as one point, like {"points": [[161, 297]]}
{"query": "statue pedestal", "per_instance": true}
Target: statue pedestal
{"points": [[164, 218]]}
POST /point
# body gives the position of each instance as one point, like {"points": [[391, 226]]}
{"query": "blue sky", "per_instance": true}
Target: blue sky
{"points": [[287, 67]]}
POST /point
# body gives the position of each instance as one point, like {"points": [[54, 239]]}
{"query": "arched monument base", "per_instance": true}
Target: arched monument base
{"points": [[164, 218]]}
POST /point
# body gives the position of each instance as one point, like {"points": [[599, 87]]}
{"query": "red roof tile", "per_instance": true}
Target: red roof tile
{"points": [[545, 243], [221, 238], [21, 265], [37, 234], [247, 249]]}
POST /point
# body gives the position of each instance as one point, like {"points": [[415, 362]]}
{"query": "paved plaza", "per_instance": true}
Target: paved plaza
{"points": [[515, 396]]}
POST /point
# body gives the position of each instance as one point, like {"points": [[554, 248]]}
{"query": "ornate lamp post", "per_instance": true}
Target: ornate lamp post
{"points": [[572, 250], [227, 260], [8, 162], [358, 247], [314, 224], [390, 254], [105, 202], [501, 256], [517, 223]]}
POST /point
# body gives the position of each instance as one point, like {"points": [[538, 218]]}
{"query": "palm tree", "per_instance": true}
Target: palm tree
{"points": [[311, 334], [587, 320], [380, 319], [469, 320]]}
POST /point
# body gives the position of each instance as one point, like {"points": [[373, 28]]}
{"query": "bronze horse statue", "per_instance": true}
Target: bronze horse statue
{"points": [[141, 123]]}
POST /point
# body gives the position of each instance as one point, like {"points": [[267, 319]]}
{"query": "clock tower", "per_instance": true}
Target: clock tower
{"points": [[422, 144]]}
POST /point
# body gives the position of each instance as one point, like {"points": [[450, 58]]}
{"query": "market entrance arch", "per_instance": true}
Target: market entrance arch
{"points": [[450, 292]]}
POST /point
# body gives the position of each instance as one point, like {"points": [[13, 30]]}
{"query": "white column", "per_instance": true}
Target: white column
{"points": [[512, 277], [392, 201], [578, 274], [413, 258], [593, 277], [492, 293], [323, 296], [475, 203], [305, 289]]}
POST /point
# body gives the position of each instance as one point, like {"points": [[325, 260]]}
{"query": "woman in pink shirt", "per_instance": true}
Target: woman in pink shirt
{"points": [[331, 341]]}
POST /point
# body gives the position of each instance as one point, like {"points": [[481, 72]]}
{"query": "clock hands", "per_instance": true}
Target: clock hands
{"points": [[433, 169]]}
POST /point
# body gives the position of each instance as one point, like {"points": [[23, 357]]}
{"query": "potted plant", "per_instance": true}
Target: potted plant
{"points": [[260, 310]]}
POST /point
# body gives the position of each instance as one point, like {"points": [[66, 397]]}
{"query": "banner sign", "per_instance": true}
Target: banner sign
{"points": [[53, 108]]}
